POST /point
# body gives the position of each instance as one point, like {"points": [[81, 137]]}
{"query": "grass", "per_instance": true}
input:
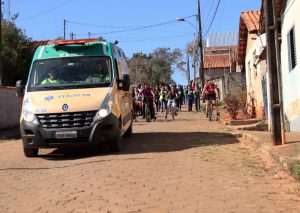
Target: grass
{"points": [[294, 169]]}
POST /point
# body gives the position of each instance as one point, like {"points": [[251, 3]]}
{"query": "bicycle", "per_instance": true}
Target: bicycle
{"points": [[210, 110], [147, 109], [172, 108]]}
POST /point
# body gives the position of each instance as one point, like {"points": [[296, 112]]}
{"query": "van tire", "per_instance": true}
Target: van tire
{"points": [[116, 143], [30, 152], [128, 132]]}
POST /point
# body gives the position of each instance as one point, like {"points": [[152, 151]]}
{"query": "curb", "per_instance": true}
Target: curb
{"points": [[285, 162]]}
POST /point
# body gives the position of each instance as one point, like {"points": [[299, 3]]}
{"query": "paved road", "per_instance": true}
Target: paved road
{"points": [[186, 165]]}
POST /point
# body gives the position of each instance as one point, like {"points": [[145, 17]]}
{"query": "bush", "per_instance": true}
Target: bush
{"points": [[232, 105], [242, 102]]}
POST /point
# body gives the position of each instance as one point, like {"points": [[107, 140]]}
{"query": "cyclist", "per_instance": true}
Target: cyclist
{"points": [[172, 97], [210, 92], [148, 96]]}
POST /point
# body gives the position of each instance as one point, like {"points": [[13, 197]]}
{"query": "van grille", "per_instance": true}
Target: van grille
{"points": [[67, 120]]}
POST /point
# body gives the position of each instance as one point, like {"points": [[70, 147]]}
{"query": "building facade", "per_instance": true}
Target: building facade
{"points": [[290, 52]]}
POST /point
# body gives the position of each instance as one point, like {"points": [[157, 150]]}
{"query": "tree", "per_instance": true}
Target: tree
{"points": [[139, 66], [17, 52], [154, 68]]}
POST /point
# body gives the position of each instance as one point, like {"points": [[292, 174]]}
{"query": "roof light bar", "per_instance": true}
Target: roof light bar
{"points": [[76, 41]]}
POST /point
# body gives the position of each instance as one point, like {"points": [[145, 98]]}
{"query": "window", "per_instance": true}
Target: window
{"points": [[292, 49], [70, 72]]}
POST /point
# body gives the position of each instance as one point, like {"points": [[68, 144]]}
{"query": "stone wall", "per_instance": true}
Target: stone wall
{"points": [[235, 82], [10, 108]]}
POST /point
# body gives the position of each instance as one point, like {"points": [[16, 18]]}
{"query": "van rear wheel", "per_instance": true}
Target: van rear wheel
{"points": [[116, 143], [30, 152]]}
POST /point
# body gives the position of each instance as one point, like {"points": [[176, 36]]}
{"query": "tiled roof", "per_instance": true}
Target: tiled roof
{"points": [[251, 20], [249, 23], [36, 44], [218, 57]]}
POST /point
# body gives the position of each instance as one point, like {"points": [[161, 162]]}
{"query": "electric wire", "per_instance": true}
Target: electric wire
{"points": [[208, 14], [138, 28], [96, 25], [213, 19], [158, 38], [47, 11]]}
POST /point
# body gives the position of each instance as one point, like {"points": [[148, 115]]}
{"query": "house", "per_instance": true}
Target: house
{"points": [[289, 42], [252, 60], [290, 68], [220, 65]]}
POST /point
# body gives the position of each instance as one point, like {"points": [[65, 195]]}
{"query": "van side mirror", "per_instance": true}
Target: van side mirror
{"points": [[126, 82], [20, 88]]}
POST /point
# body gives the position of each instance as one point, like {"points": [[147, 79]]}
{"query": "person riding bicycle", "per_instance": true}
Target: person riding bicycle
{"points": [[172, 97], [148, 96], [210, 93]]}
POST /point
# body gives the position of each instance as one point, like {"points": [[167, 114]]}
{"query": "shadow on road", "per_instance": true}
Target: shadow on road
{"points": [[10, 134], [141, 143]]}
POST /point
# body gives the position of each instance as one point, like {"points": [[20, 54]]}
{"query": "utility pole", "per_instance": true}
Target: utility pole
{"points": [[273, 59], [201, 61], [194, 60], [89, 34], [72, 36], [65, 26], [230, 60], [188, 75], [0, 42]]}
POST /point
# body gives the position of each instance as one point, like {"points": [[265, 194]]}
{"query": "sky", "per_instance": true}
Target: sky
{"points": [[138, 25]]}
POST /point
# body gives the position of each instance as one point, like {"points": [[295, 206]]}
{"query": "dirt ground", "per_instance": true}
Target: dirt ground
{"points": [[185, 165]]}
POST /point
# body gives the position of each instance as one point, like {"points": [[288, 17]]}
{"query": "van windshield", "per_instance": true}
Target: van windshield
{"points": [[71, 72]]}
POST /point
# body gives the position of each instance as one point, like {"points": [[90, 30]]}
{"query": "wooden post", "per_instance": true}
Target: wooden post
{"points": [[273, 55], [0, 42], [201, 61]]}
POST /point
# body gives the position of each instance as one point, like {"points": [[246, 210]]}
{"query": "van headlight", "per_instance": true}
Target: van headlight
{"points": [[106, 107], [28, 114]]}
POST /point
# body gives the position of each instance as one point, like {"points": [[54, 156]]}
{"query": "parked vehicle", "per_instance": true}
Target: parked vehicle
{"points": [[77, 94]]}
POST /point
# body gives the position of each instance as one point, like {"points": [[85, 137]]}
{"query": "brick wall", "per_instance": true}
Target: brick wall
{"points": [[10, 106]]}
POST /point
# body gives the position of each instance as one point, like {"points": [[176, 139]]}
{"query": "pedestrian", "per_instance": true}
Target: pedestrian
{"points": [[197, 93], [162, 99], [156, 99], [190, 98], [185, 92]]}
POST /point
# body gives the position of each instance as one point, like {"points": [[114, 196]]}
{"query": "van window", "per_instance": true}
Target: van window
{"points": [[71, 72]]}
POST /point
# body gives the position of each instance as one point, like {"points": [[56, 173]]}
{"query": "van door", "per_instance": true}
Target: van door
{"points": [[124, 96]]}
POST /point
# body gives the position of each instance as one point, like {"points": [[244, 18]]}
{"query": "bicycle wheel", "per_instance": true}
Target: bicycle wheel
{"points": [[147, 112], [173, 112], [210, 111]]}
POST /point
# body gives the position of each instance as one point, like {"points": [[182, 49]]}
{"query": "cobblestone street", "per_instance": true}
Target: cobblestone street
{"points": [[185, 165]]}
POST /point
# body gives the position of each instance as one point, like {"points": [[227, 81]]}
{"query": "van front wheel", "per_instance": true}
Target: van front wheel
{"points": [[128, 132], [30, 152], [116, 143]]}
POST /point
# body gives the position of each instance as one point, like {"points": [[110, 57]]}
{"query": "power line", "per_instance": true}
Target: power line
{"points": [[47, 11], [213, 19], [210, 9], [96, 25], [139, 28], [158, 38]]}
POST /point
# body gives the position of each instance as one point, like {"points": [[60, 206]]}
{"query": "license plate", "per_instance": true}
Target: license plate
{"points": [[68, 134]]}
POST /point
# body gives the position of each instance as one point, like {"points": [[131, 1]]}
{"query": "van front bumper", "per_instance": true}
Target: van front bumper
{"points": [[35, 136]]}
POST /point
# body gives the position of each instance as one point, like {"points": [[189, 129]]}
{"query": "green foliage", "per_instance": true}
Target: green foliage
{"points": [[17, 52], [232, 105], [155, 67], [294, 169], [220, 103]]}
